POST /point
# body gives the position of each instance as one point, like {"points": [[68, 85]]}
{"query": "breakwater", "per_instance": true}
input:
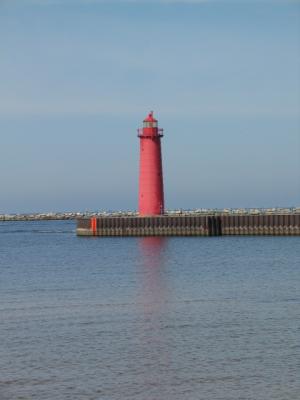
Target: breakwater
{"points": [[190, 225]]}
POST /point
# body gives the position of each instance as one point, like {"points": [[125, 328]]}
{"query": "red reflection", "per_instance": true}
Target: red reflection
{"points": [[154, 303], [152, 248], [153, 290]]}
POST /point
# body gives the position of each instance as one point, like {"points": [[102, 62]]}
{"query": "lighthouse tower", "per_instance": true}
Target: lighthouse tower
{"points": [[151, 188]]}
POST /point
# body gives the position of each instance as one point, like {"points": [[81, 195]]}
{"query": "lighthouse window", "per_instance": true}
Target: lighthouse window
{"points": [[150, 124]]}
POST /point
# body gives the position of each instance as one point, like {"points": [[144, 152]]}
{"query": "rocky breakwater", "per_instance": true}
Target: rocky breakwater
{"points": [[40, 216]]}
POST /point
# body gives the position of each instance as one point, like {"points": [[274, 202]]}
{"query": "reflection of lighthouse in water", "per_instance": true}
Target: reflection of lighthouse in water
{"points": [[154, 290], [151, 190], [153, 300]]}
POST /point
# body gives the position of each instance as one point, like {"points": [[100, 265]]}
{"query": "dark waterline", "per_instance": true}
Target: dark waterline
{"points": [[147, 318]]}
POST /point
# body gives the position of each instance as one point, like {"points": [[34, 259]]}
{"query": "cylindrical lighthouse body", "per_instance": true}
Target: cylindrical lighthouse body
{"points": [[151, 191]]}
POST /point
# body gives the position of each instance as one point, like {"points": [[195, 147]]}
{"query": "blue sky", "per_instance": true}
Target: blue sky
{"points": [[77, 78]]}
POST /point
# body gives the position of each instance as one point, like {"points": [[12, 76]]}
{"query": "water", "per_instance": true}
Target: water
{"points": [[147, 318]]}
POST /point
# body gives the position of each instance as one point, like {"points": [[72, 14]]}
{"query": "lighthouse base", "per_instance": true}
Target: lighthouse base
{"points": [[190, 225]]}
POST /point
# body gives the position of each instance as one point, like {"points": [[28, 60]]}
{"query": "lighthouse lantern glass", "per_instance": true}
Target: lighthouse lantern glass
{"points": [[148, 124]]}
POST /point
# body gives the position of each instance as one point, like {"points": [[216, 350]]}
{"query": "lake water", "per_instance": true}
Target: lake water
{"points": [[147, 318]]}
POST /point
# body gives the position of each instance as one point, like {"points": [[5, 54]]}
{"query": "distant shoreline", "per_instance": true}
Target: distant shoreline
{"points": [[88, 214], [13, 218]]}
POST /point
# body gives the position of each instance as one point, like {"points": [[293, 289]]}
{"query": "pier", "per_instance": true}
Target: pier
{"points": [[190, 225]]}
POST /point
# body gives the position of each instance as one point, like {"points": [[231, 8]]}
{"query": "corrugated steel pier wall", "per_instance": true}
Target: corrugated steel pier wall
{"points": [[190, 225], [284, 224]]}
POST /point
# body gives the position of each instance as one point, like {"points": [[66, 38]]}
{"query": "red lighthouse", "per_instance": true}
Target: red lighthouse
{"points": [[151, 187]]}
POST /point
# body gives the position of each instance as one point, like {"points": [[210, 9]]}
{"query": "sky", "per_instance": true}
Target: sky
{"points": [[78, 77]]}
